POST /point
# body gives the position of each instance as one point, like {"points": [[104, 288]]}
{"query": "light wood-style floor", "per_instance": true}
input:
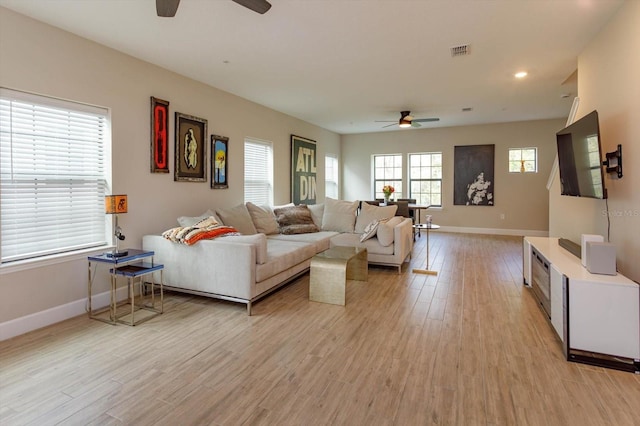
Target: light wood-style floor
{"points": [[466, 347]]}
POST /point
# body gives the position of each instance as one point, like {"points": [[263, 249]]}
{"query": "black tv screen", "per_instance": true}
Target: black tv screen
{"points": [[580, 159]]}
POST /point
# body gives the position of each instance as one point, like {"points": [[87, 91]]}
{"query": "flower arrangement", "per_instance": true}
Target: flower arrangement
{"points": [[388, 190]]}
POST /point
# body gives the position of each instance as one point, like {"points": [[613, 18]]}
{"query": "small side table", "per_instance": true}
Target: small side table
{"points": [[124, 267], [330, 271], [427, 227]]}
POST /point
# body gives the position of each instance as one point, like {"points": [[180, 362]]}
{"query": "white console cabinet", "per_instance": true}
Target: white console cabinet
{"points": [[596, 316]]}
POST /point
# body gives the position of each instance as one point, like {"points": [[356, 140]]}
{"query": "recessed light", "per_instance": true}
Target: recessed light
{"points": [[520, 74]]}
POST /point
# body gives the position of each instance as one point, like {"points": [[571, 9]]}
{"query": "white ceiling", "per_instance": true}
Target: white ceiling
{"points": [[342, 64]]}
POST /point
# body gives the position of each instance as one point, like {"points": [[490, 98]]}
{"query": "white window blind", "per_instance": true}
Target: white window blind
{"points": [[258, 172], [331, 176], [52, 175]]}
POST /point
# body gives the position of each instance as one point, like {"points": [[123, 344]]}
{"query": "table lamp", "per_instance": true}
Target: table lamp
{"points": [[114, 205]]}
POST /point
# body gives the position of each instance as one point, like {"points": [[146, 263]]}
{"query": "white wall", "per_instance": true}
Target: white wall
{"points": [[608, 82], [522, 198], [38, 58]]}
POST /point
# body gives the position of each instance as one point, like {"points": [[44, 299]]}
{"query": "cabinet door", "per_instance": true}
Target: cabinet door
{"points": [[604, 318], [557, 317], [526, 262]]}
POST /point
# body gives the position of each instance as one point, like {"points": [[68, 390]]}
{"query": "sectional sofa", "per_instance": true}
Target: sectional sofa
{"points": [[276, 245]]}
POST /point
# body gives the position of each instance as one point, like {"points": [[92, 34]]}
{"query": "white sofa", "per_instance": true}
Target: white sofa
{"points": [[247, 267]]}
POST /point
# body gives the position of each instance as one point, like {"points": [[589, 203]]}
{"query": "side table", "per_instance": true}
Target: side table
{"points": [[124, 267], [330, 271], [426, 226]]}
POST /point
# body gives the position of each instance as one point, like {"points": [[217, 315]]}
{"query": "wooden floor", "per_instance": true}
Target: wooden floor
{"points": [[468, 346]]}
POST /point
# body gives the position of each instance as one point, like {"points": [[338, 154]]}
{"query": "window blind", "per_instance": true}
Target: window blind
{"points": [[52, 175], [258, 172]]}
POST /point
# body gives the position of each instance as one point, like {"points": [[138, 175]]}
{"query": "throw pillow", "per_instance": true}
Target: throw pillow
{"points": [[317, 210], [263, 219], [186, 221], [295, 220], [339, 216], [369, 231], [385, 230], [369, 213], [239, 218]]}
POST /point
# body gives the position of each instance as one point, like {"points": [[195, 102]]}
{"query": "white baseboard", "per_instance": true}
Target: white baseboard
{"points": [[495, 231], [22, 325]]}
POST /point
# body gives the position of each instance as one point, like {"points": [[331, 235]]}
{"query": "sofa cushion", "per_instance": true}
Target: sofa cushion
{"points": [[372, 245], [295, 220], [339, 216], [385, 230], [186, 221], [317, 210], [369, 213], [263, 218], [258, 240], [282, 255], [239, 218], [319, 239]]}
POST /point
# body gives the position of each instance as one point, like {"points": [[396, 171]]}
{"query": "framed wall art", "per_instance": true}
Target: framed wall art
{"points": [[219, 163], [159, 136], [303, 170], [190, 149], [473, 175]]}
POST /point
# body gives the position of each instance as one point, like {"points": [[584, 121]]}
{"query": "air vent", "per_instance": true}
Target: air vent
{"points": [[461, 50]]}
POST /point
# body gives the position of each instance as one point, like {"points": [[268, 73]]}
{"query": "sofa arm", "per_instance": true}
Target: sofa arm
{"points": [[212, 266], [403, 238]]}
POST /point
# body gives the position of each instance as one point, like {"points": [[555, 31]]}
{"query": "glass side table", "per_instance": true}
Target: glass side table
{"points": [[124, 266]]}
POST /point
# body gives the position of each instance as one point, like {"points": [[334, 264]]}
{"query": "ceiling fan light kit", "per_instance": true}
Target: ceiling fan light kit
{"points": [[406, 120]]}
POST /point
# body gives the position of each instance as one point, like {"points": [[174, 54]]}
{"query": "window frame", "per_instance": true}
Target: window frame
{"points": [[396, 182], [421, 179], [331, 163], [521, 151]]}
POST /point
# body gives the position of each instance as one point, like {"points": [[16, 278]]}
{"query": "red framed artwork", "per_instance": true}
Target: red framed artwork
{"points": [[159, 136]]}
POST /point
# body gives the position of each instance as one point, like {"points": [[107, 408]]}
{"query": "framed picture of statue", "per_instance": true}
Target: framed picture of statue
{"points": [[219, 163], [190, 149], [303, 170], [473, 175], [159, 136]]}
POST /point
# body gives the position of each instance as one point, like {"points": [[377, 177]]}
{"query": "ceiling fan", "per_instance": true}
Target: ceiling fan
{"points": [[168, 8], [406, 120]]}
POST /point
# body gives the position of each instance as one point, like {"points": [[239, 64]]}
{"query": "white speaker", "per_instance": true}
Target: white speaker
{"points": [[601, 258], [585, 238]]}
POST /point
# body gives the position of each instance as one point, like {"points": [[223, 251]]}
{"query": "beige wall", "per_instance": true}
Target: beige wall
{"points": [[522, 198], [38, 58], [608, 82]]}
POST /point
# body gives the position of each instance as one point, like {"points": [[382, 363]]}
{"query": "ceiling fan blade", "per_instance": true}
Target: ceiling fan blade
{"points": [[167, 8], [425, 120], [415, 124], [259, 6], [389, 125], [385, 121]]}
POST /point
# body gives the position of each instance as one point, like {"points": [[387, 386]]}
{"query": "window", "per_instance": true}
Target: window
{"points": [[52, 175], [387, 170], [425, 178], [523, 160], [258, 172], [331, 176]]}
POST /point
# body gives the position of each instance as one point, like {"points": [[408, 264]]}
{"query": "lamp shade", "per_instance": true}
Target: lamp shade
{"points": [[115, 204]]}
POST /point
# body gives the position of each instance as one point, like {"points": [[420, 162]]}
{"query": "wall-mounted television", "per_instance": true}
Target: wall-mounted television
{"points": [[580, 158]]}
